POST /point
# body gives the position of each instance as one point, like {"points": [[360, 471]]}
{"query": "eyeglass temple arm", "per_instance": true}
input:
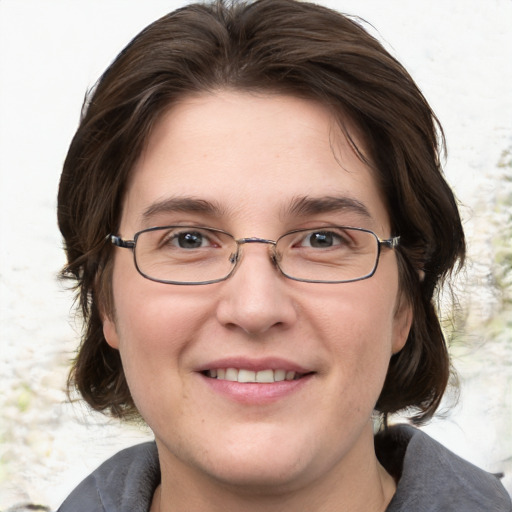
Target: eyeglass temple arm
{"points": [[391, 243], [119, 242]]}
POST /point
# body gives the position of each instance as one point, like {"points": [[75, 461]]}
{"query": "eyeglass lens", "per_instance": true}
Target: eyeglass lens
{"points": [[189, 254]]}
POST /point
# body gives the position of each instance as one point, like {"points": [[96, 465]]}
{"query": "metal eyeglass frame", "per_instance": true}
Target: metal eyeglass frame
{"points": [[389, 243]]}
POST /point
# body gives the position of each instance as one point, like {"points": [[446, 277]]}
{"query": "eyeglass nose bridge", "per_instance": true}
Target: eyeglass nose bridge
{"points": [[235, 258], [255, 240]]}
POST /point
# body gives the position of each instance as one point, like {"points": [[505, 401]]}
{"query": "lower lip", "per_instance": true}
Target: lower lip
{"points": [[253, 393]]}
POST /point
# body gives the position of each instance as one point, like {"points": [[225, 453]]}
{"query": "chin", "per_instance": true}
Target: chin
{"points": [[269, 478], [265, 462]]}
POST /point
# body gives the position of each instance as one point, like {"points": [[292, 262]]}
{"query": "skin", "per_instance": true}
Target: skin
{"points": [[311, 449]]}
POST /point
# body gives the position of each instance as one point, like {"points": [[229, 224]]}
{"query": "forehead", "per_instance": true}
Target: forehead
{"points": [[251, 157]]}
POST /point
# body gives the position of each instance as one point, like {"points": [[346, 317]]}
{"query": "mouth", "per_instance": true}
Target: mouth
{"points": [[242, 375], [255, 382]]}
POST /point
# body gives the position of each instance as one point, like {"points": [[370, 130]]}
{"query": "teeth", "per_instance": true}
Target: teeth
{"points": [[246, 376], [265, 376], [231, 374], [279, 375], [242, 375]]}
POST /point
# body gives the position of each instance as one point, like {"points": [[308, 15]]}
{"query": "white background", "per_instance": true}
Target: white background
{"points": [[51, 51]]}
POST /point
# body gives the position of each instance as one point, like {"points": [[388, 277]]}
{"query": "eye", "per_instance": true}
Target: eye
{"points": [[184, 240], [189, 240], [322, 239]]}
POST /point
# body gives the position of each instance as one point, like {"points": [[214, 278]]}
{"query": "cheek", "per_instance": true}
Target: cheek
{"points": [[150, 317], [160, 324], [357, 326], [154, 326], [153, 337], [361, 316]]}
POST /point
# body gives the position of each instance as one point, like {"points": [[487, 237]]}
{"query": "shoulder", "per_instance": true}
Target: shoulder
{"points": [[431, 478], [124, 483]]}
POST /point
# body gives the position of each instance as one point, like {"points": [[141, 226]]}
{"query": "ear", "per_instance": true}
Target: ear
{"points": [[110, 332], [106, 312], [402, 325]]}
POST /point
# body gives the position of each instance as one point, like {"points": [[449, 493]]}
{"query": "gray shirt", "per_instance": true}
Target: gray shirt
{"points": [[430, 479]]}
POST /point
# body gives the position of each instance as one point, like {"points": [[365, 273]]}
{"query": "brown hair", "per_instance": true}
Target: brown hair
{"points": [[267, 45]]}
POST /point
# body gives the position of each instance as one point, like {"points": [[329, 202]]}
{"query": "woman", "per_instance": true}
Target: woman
{"points": [[256, 217]]}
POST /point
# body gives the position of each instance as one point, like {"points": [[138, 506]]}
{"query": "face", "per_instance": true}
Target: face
{"points": [[251, 159]]}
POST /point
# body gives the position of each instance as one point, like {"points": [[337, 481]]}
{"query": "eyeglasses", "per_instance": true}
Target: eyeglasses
{"points": [[188, 255]]}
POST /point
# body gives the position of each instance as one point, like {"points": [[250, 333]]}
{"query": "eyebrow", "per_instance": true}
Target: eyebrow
{"points": [[304, 206], [300, 206], [182, 204]]}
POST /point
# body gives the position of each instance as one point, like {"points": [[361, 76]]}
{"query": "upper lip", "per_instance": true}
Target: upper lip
{"points": [[268, 363]]}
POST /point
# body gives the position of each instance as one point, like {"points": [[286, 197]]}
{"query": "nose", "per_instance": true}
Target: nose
{"points": [[257, 297]]}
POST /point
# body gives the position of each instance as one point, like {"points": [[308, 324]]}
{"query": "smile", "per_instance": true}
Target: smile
{"points": [[242, 375]]}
